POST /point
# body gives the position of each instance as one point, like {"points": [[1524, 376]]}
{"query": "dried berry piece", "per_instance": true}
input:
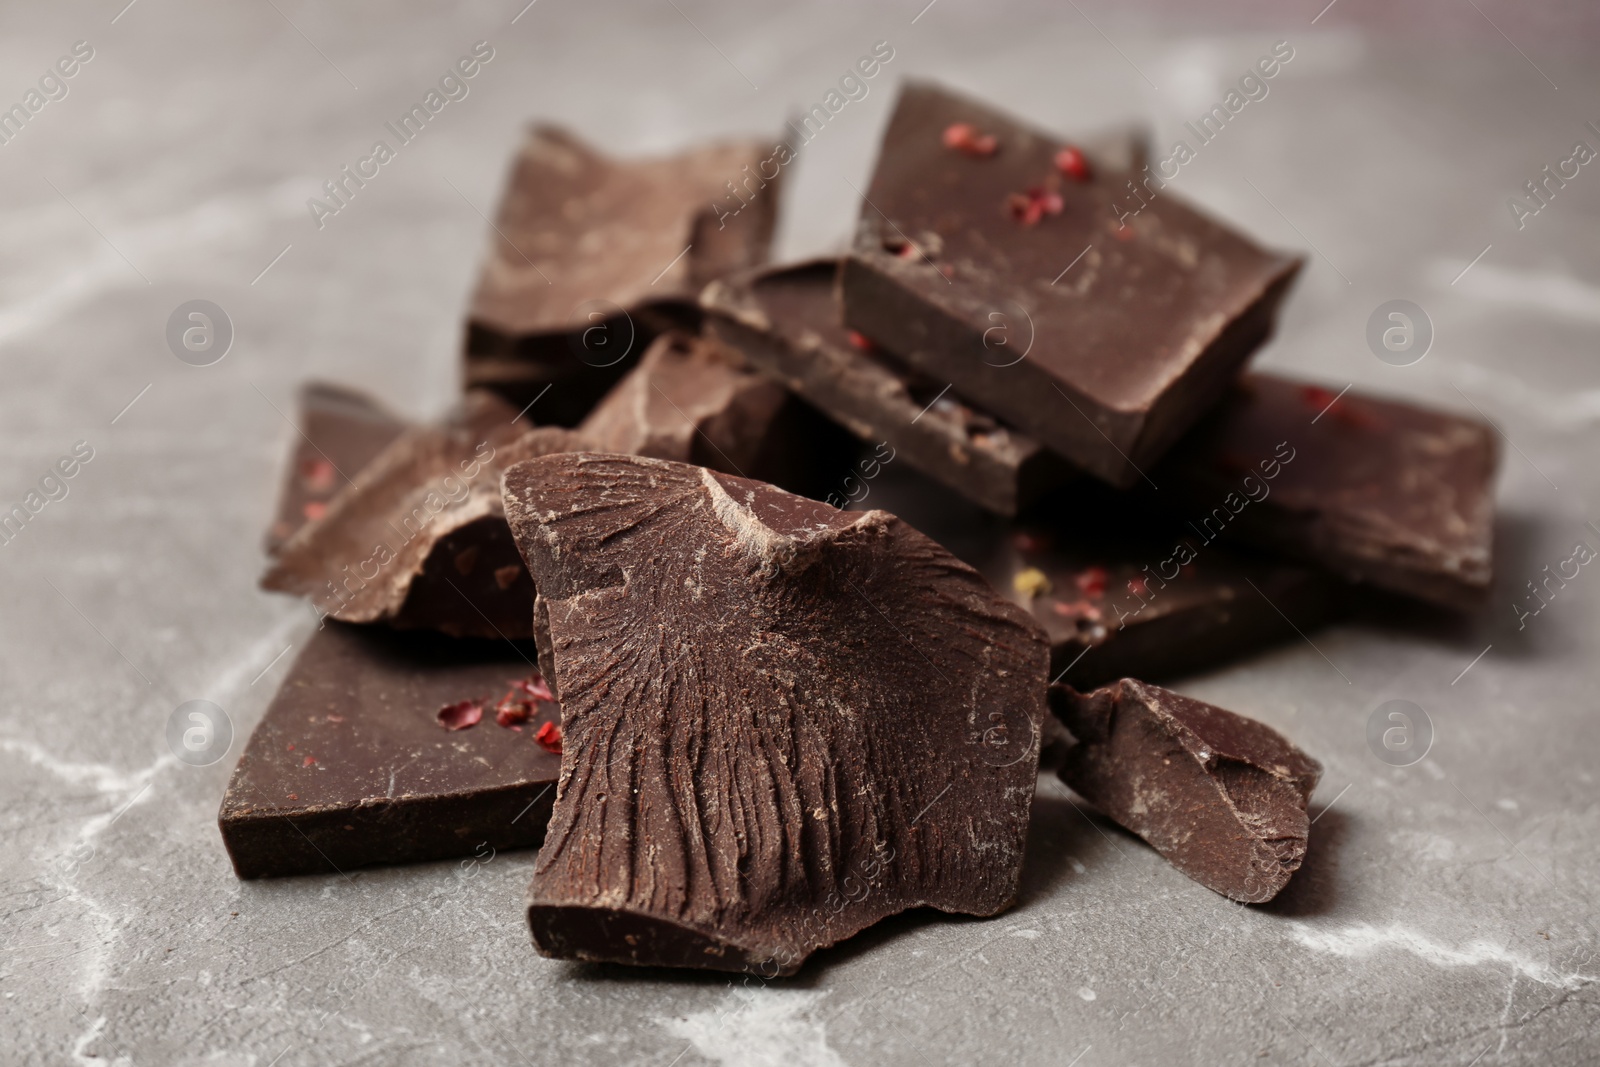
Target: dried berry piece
{"points": [[781, 722], [1221, 796]]}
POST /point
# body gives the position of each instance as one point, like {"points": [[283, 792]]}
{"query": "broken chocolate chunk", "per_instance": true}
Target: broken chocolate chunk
{"points": [[786, 321], [1126, 593], [691, 400], [1222, 797], [1100, 324], [349, 766], [422, 542], [592, 257], [781, 722], [341, 430], [1377, 491]]}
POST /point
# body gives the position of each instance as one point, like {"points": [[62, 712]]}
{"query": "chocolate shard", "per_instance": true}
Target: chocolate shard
{"points": [[968, 265], [1116, 606], [1124, 593], [782, 722], [690, 400], [592, 256], [350, 765], [1222, 797], [786, 321], [341, 430], [1377, 491], [422, 542]]}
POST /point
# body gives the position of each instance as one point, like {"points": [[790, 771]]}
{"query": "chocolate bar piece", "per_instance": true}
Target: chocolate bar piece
{"points": [[351, 766], [690, 400], [592, 256], [421, 541], [1221, 796], [994, 257], [786, 321], [782, 722], [1128, 593], [341, 430], [1376, 491]]}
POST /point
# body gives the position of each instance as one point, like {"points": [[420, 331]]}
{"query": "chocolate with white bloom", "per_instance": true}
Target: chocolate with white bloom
{"points": [[781, 722], [1221, 796]]}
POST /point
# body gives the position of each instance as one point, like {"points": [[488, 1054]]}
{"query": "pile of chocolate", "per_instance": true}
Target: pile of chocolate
{"points": [[617, 603]]}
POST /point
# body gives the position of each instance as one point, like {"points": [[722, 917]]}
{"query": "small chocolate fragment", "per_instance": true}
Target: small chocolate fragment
{"points": [[782, 722], [421, 541], [1124, 592], [350, 765], [341, 430], [1221, 796], [1376, 491], [1045, 293], [593, 256], [786, 321], [690, 400]]}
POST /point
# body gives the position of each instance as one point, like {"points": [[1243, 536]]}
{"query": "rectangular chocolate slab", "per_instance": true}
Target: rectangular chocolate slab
{"points": [[350, 765], [785, 320], [1376, 491], [1010, 271], [592, 256]]}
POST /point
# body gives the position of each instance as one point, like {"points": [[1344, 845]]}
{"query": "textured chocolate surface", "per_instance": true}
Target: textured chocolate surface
{"points": [[421, 541], [782, 722], [350, 766], [341, 431], [1221, 796], [1106, 358], [786, 321], [592, 256], [690, 400], [1377, 491]]}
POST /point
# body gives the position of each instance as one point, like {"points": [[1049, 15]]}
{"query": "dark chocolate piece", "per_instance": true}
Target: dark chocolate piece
{"points": [[782, 722], [690, 400], [967, 265], [350, 765], [786, 321], [421, 541], [1221, 796], [1376, 491], [592, 256], [1124, 592], [341, 430]]}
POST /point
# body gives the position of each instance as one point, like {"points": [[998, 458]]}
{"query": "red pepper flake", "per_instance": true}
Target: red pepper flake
{"points": [[549, 736], [862, 341], [1092, 580], [1029, 207], [1071, 162], [510, 710], [317, 475], [334, 718], [908, 251], [1076, 609], [1138, 587], [294, 796], [460, 715], [314, 510], [1124, 233], [291, 746], [308, 761], [965, 138], [505, 577], [947, 269], [534, 687]]}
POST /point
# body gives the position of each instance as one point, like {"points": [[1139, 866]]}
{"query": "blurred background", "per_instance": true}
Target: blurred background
{"points": [[1450, 906]]}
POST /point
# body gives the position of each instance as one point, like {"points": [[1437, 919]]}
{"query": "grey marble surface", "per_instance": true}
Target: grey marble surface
{"points": [[1446, 915]]}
